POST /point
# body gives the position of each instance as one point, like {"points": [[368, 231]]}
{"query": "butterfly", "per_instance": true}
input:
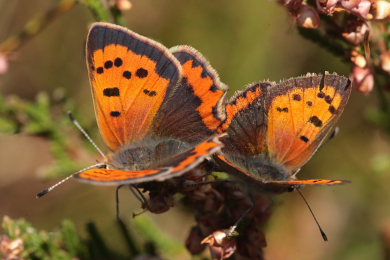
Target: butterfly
{"points": [[274, 129], [158, 110]]}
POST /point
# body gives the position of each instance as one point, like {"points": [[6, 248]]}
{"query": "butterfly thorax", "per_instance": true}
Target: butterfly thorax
{"points": [[260, 168], [147, 154]]}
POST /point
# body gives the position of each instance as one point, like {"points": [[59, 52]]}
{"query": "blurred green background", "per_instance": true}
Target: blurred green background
{"points": [[245, 41]]}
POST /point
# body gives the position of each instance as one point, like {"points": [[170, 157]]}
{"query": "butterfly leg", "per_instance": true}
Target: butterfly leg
{"points": [[117, 201], [140, 197]]}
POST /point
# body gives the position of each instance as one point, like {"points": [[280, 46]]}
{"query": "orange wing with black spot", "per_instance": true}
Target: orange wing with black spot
{"points": [[301, 113], [174, 167], [131, 77], [273, 129], [195, 110]]}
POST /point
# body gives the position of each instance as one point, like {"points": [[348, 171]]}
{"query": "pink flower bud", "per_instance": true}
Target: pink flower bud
{"points": [[349, 4], [123, 5], [11, 249], [222, 246], [326, 6], [355, 31], [380, 10], [385, 61], [362, 9], [362, 79], [4, 65], [358, 59], [308, 17]]}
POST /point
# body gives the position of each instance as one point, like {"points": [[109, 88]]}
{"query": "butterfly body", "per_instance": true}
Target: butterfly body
{"points": [[274, 129], [149, 153]]}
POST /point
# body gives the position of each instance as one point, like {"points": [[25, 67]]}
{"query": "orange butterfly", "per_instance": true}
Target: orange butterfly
{"points": [[274, 129], [157, 109]]}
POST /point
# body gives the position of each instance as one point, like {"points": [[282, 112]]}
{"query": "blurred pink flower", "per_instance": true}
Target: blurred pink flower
{"points": [[380, 10], [123, 5], [4, 64], [11, 249], [362, 79], [385, 61]]}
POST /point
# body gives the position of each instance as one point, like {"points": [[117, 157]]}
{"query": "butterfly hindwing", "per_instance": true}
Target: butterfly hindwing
{"points": [[131, 77], [195, 110], [246, 121], [310, 182], [170, 168], [274, 129]]}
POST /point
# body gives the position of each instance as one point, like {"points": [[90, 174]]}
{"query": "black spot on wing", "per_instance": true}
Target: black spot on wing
{"points": [[100, 70], [127, 74], [115, 113], [108, 64], [213, 88], [304, 138], [150, 93], [297, 97], [141, 73], [111, 92], [309, 103], [279, 109], [328, 99], [321, 95], [118, 62], [332, 110], [315, 121]]}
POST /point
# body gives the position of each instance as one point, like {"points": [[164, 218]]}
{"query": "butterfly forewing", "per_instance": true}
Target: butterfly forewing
{"points": [[326, 105], [131, 76]]}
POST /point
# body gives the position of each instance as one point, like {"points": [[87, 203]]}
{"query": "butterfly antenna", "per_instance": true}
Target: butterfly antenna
{"points": [[46, 191], [324, 236], [77, 124]]}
